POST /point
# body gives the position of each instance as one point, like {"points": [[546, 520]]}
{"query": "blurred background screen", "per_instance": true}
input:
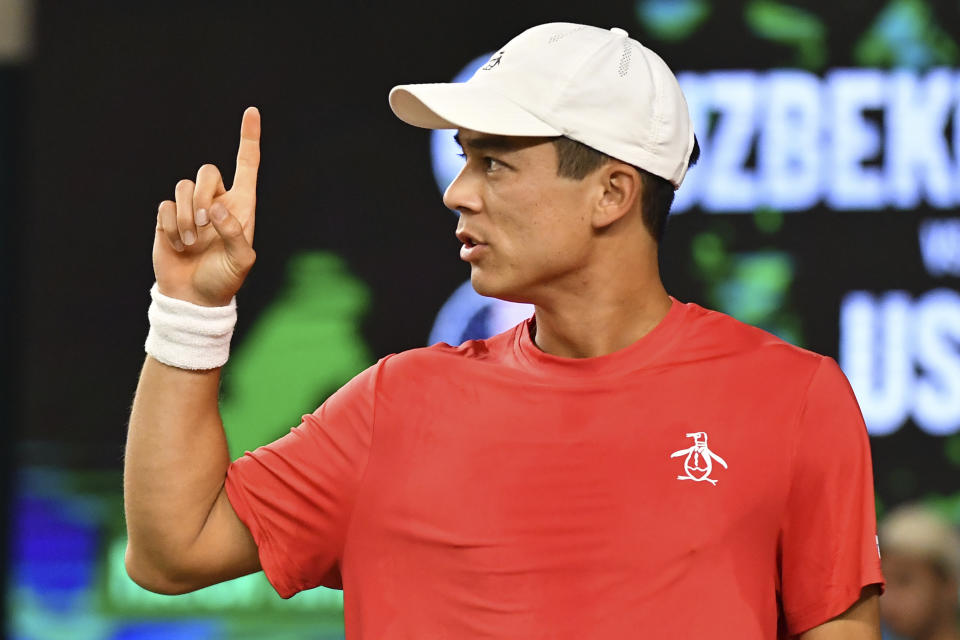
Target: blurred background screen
{"points": [[824, 209]]}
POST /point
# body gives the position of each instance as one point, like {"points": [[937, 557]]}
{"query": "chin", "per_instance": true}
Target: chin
{"points": [[491, 288]]}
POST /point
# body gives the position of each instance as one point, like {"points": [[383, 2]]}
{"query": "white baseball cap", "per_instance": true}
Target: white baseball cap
{"points": [[592, 85]]}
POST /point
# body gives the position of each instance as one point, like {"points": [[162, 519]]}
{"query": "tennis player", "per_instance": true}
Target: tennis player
{"points": [[621, 465]]}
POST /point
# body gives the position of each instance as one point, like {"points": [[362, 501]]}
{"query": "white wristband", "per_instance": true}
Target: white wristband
{"points": [[187, 335]]}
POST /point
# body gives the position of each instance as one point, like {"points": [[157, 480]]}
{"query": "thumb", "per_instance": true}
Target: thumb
{"points": [[239, 251]]}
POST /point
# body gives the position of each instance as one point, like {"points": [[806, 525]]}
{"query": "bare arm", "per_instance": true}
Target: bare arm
{"points": [[860, 622], [183, 534]]}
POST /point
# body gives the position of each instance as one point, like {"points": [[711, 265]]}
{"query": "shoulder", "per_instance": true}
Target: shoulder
{"points": [[441, 357], [714, 334]]}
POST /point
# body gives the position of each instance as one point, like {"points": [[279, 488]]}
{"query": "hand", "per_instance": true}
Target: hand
{"points": [[203, 247]]}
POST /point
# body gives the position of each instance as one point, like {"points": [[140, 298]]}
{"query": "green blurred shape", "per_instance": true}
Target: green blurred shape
{"points": [[905, 34], [709, 255], [303, 347], [758, 285], [34, 619], [946, 505], [787, 326], [791, 26], [244, 595], [768, 220], [753, 287], [672, 19], [951, 449]]}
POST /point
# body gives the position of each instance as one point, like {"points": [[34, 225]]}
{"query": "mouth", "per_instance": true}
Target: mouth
{"points": [[468, 239], [473, 246]]}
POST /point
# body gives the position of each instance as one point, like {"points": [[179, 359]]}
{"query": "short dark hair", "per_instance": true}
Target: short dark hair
{"points": [[576, 160]]}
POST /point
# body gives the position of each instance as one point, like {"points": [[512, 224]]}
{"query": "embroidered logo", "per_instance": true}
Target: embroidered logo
{"points": [[699, 461], [494, 61]]}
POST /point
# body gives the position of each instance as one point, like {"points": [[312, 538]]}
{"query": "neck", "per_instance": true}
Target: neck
{"points": [[586, 324]]}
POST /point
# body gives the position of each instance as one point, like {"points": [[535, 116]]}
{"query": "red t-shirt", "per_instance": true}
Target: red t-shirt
{"points": [[708, 481]]}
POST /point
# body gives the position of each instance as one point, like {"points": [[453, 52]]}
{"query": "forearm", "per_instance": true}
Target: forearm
{"points": [[175, 464]]}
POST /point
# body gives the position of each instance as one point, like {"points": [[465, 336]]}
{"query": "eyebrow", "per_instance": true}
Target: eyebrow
{"points": [[489, 142]]}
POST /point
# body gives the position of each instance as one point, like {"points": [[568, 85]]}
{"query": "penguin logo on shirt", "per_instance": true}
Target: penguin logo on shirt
{"points": [[699, 461]]}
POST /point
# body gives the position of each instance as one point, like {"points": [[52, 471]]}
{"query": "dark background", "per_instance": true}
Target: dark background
{"points": [[121, 100]]}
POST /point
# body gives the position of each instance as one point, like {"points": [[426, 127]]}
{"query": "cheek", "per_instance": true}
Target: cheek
{"points": [[565, 235], [545, 244], [557, 216], [543, 227]]}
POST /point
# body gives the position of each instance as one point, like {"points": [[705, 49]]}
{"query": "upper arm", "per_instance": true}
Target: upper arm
{"points": [[223, 550], [828, 550], [296, 495], [860, 622]]}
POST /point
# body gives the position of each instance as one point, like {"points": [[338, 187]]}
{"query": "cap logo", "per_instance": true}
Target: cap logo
{"points": [[494, 61]]}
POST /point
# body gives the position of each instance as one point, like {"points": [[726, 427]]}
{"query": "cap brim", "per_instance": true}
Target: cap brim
{"points": [[461, 105]]}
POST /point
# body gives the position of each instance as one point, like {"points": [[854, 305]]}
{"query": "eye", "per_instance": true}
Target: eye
{"points": [[491, 164]]}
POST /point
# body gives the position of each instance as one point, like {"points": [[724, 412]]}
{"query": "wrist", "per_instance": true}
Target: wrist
{"points": [[188, 335], [191, 295]]}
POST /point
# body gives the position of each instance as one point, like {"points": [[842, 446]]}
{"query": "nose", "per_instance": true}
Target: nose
{"points": [[463, 195]]}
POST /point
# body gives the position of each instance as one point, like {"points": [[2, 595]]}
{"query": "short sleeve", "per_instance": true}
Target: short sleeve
{"points": [[828, 549], [296, 494]]}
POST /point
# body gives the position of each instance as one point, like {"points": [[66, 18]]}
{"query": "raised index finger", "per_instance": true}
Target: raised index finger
{"points": [[248, 154]]}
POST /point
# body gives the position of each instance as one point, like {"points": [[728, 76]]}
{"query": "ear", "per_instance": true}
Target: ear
{"points": [[620, 187]]}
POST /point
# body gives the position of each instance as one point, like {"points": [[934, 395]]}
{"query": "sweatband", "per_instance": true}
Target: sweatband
{"points": [[187, 335]]}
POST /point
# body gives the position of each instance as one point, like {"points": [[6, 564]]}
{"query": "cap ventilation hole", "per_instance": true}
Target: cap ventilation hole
{"points": [[624, 65], [560, 36]]}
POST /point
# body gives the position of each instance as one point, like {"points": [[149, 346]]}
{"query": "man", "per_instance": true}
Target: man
{"points": [[620, 465], [921, 561]]}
